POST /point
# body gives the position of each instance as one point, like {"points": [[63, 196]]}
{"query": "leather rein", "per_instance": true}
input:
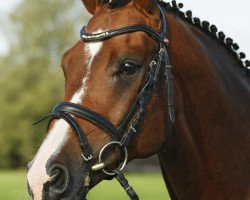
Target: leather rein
{"points": [[121, 136]]}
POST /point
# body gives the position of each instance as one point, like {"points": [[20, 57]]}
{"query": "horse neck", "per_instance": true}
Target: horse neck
{"points": [[212, 125]]}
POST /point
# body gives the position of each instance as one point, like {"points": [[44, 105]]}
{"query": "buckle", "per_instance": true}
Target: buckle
{"points": [[161, 50], [169, 66], [133, 128], [88, 158], [152, 64]]}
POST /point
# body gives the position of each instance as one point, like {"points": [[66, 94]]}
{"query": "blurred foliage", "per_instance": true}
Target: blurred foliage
{"points": [[31, 80]]}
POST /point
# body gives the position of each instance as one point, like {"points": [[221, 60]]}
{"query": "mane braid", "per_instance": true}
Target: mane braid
{"points": [[211, 30]]}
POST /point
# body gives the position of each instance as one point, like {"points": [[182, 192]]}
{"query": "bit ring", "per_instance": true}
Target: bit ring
{"points": [[122, 165]]}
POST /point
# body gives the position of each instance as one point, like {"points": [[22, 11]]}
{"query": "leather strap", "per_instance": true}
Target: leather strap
{"points": [[86, 149], [127, 29], [90, 116], [124, 183]]}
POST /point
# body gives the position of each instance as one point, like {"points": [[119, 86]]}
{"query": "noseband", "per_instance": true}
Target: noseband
{"points": [[122, 135]]}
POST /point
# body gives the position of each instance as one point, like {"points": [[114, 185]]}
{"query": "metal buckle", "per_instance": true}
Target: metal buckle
{"points": [[153, 63], [90, 157], [169, 66], [162, 50], [133, 128]]}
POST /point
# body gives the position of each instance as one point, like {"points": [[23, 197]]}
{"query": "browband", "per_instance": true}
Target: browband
{"points": [[158, 36], [127, 29]]}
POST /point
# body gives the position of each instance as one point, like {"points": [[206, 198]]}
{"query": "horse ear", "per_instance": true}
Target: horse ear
{"points": [[92, 5], [150, 6]]}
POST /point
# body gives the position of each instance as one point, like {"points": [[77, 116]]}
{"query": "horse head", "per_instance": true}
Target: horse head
{"points": [[109, 78]]}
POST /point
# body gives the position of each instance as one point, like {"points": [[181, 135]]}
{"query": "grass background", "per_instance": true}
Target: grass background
{"points": [[149, 186]]}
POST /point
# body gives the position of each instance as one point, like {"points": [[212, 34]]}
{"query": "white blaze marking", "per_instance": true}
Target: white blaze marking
{"points": [[91, 49], [37, 174], [58, 135]]}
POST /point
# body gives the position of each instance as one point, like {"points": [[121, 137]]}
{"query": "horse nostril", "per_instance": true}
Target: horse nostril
{"points": [[59, 180]]}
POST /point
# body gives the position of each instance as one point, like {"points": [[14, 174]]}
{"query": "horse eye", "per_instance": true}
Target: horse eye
{"points": [[129, 67]]}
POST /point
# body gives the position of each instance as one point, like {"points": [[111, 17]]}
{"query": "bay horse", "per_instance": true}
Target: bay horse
{"points": [[147, 78]]}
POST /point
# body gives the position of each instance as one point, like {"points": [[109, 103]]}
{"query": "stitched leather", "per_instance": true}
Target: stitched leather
{"points": [[90, 116]]}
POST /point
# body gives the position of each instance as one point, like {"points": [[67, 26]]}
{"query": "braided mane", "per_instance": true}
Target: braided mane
{"points": [[211, 30]]}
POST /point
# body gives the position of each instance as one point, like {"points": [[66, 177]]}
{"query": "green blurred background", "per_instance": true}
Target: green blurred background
{"points": [[32, 82], [148, 186]]}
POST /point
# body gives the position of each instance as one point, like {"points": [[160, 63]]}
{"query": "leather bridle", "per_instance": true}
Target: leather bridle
{"points": [[121, 136]]}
